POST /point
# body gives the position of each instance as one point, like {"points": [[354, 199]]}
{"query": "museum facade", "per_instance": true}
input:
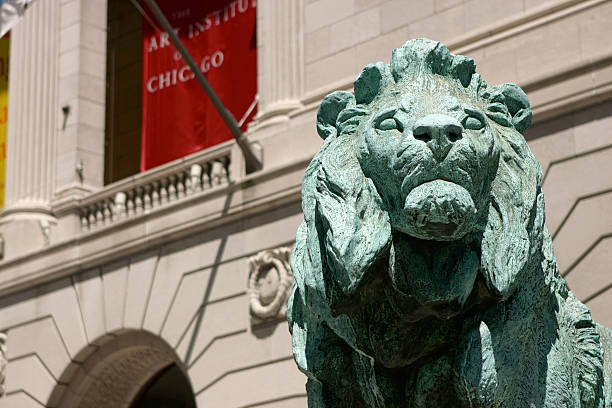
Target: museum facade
{"points": [[167, 287]]}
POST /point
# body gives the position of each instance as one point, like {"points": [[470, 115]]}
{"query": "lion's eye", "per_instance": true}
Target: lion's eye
{"points": [[390, 124], [473, 119], [472, 123]]}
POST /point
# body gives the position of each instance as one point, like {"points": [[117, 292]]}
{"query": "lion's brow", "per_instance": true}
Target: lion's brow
{"points": [[407, 103], [451, 103]]}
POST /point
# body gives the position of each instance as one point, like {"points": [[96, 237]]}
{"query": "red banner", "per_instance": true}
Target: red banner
{"points": [[177, 116]]}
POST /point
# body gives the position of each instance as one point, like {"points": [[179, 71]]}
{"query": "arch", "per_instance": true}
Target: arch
{"points": [[119, 369]]}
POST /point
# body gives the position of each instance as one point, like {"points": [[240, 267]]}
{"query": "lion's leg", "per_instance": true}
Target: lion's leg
{"points": [[314, 391], [434, 385], [338, 385], [343, 378]]}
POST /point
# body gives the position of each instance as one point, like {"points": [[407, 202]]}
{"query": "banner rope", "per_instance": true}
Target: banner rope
{"points": [[144, 14], [249, 110]]}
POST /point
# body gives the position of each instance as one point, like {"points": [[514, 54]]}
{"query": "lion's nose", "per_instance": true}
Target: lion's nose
{"points": [[439, 132]]}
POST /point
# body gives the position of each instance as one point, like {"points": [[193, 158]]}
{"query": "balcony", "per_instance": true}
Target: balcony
{"points": [[196, 175]]}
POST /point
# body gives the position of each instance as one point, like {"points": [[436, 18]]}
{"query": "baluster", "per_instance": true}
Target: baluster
{"points": [[92, 217], [187, 182], [225, 161], [120, 205], [206, 176], [195, 177], [99, 214], [217, 173], [84, 222], [155, 198], [163, 192], [138, 204], [228, 162], [130, 203], [171, 187], [146, 198], [180, 185], [106, 207]]}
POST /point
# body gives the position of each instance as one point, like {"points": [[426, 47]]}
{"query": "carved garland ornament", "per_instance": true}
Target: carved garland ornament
{"points": [[270, 281]]}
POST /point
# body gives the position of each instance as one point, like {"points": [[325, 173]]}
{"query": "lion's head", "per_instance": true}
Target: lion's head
{"points": [[422, 205]]}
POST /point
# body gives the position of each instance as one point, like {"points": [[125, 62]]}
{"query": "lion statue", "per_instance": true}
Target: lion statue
{"points": [[424, 274]]}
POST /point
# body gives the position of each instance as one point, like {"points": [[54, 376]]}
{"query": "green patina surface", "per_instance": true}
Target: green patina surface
{"points": [[424, 274]]}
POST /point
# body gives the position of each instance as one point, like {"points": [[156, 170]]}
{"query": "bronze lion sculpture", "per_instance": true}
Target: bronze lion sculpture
{"points": [[424, 274]]}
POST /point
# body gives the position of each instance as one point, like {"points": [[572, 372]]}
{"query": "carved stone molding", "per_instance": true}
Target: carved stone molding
{"points": [[270, 280]]}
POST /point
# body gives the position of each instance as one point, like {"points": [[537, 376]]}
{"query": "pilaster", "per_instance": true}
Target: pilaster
{"points": [[81, 100], [32, 116]]}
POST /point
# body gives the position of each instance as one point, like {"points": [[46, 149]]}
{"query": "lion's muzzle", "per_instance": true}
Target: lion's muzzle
{"points": [[439, 210]]}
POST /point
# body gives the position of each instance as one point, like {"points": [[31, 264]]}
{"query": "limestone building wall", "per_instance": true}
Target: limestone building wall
{"points": [[192, 293], [158, 264], [576, 152]]}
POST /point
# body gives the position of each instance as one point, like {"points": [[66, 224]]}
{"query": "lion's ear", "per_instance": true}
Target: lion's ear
{"points": [[371, 82], [332, 105], [518, 106], [514, 214], [354, 227]]}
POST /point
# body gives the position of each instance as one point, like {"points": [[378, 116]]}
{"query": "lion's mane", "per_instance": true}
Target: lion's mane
{"points": [[347, 230]]}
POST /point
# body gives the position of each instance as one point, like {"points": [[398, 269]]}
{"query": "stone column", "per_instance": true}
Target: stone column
{"points": [[280, 58], [32, 131], [32, 110]]}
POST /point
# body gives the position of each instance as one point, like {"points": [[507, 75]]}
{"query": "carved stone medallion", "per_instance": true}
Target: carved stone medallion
{"points": [[270, 280]]}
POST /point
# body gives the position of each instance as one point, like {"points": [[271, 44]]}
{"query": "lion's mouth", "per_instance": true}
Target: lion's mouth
{"points": [[439, 210]]}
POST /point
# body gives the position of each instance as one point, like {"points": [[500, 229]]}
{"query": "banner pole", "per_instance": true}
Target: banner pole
{"points": [[252, 162]]}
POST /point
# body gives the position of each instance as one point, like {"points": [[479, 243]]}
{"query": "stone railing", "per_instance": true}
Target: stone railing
{"points": [[145, 192]]}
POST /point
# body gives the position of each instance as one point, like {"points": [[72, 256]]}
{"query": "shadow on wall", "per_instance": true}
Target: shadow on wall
{"points": [[556, 125]]}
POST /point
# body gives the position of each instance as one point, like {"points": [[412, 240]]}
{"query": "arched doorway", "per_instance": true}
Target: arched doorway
{"points": [[124, 369], [169, 389]]}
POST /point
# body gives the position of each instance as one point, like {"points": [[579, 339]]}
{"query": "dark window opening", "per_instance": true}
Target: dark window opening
{"points": [[123, 91]]}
